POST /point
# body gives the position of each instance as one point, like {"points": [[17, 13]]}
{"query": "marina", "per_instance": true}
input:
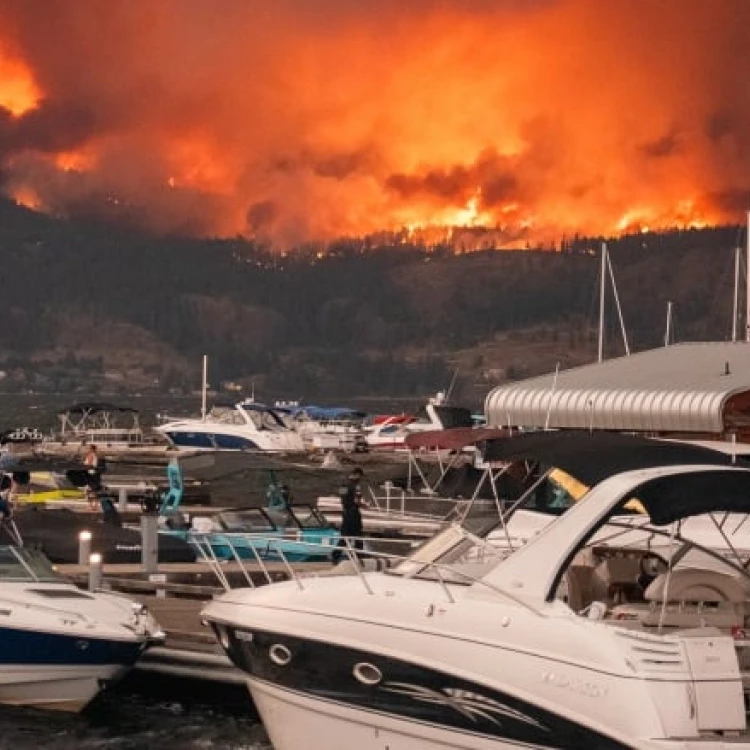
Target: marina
{"points": [[375, 375], [452, 523]]}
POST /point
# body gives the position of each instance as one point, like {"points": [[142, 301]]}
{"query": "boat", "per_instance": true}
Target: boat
{"points": [[582, 637], [115, 429], [300, 533], [325, 428], [245, 425], [390, 432], [60, 646]]}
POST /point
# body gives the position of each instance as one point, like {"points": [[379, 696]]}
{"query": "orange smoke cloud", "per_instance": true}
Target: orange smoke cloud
{"points": [[293, 121]]}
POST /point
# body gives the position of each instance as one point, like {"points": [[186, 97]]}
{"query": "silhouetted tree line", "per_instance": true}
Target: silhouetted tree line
{"points": [[355, 319]]}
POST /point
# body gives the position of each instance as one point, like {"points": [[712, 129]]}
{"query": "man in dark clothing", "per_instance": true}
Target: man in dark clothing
{"points": [[351, 515]]}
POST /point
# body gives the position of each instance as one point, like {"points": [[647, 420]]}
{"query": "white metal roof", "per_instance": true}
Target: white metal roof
{"points": [[679, 388]]}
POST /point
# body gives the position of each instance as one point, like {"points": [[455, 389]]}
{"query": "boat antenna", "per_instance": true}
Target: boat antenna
{"points": [[451, 385]]}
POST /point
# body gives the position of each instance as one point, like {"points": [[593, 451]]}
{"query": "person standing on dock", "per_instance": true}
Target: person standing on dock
{"points": [[94, 482], [351, 514]]}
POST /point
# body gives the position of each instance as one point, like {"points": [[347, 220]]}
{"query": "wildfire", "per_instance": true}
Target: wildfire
{"points": [[25, 196], [18, 91], [75, 161], [498, 124]]}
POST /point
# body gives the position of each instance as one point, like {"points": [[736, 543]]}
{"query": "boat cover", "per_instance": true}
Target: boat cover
{"points": [[593, 457], [454, 438]]}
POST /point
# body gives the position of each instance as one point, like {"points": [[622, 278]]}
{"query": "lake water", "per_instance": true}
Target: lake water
{"points": [[161, 719]]}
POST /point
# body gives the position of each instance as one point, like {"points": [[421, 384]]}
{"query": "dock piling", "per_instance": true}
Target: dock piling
{"points": [[122, 500], [95, 571], [84, 547], [150, 543]]}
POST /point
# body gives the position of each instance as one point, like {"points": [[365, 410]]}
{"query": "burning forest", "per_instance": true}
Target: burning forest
{"points": [[299, 121]]}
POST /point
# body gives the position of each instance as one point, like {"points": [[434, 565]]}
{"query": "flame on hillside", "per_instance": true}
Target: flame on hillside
{"points": [[514, 120]]}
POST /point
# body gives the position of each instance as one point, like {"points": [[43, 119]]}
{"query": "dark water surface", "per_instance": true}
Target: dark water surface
{"points": [[153, 719]]}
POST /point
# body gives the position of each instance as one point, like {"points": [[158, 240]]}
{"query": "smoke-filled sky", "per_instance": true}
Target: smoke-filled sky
{"points": [[298, 120]]}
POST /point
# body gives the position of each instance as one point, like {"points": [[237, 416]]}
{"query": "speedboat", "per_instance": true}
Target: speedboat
{"points": [[60, 646], [246, 425], [588, 635], [325, 427], [300, 533], [391, 432]]}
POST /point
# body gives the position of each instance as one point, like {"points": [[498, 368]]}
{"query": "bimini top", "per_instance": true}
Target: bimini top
{"points": [[592, 458], [97, 406], [679, 388]]}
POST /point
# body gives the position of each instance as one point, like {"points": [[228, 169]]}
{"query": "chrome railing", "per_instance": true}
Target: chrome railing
{"points": [[445, 576]]}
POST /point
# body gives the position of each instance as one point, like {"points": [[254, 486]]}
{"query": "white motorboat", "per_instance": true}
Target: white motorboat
{"points": [[325, 428], [391, 432], [586, 636], [60, 646], [247, 425]]}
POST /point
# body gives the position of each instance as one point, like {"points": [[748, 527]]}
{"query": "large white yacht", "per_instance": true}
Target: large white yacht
{"points": [[247, 425], [594, 634], [60, 646]]}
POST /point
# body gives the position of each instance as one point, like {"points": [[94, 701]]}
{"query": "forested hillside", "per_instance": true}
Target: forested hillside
{"points": [[90, 306]]}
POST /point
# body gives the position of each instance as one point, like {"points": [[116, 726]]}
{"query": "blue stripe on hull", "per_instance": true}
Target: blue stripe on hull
{"points": [[211, 441], [33, 647]]}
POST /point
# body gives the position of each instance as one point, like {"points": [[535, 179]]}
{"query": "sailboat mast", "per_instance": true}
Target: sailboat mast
{"points": [[204, 387], [602, 292], [736, 302], [668, 332]]}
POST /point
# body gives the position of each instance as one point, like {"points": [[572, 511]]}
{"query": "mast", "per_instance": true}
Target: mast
{"points": [[204, 387], [618, 306], [736, 302], [602, 292], [668, 332]]}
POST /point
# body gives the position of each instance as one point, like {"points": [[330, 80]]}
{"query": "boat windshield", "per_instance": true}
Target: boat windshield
{"points": [[226, 415], [265, 419], [307, 517], [252, 520], [21, 564]]}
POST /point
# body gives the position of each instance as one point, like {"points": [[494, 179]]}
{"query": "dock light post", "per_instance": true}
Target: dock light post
{"points": [[84, 547], [95, 571]]}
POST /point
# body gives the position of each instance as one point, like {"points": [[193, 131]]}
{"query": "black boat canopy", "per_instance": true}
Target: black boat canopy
{"points": [[592, 457], [89, 407]]}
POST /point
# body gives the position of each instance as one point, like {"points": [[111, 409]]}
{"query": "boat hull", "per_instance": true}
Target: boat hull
{"points": [[291, 718], [67, 688], [369, 700], [60, 671]]}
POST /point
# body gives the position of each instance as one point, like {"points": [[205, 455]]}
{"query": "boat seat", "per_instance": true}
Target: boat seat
{"points": [[695, 598], [696, 585]]}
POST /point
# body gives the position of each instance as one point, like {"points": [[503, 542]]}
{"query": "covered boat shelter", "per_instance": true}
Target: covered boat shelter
{"points": [[691, 390]]}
